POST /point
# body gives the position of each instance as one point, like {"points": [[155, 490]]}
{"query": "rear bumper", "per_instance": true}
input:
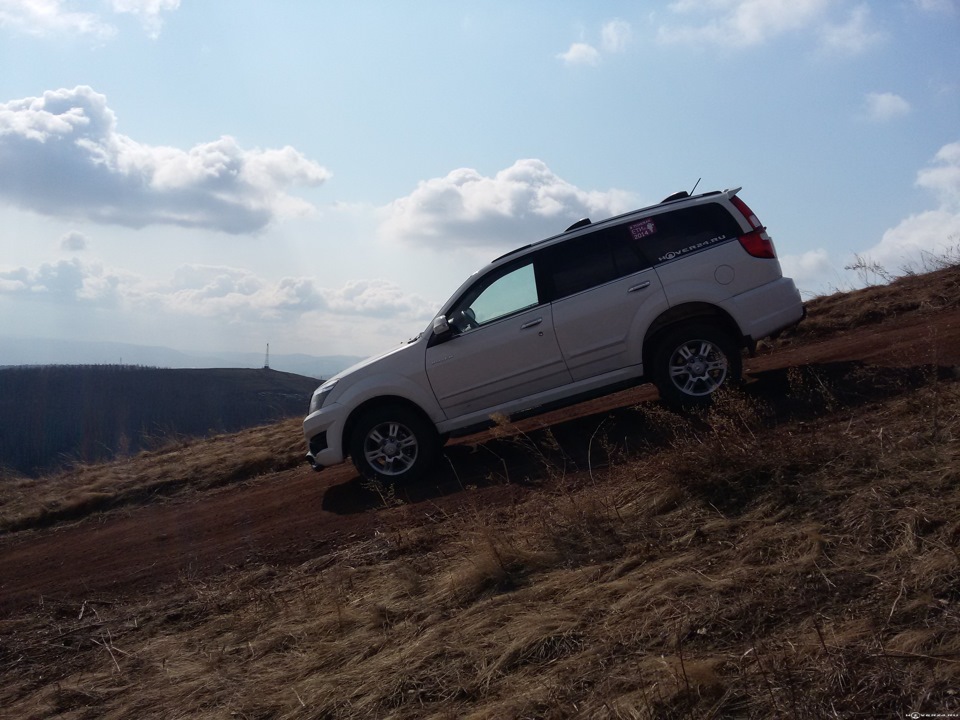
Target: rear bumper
{"points": [[769, 308]]}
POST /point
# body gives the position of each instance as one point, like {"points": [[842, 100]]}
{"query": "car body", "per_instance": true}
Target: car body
{"points": [[670, 293]]}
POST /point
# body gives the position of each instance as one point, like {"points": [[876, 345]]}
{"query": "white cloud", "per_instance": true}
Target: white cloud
{"points": [[616, 35], [200, 304], [741, 23], [853, 36], [148, 11], [377, 298], [226, 294], [943, 178], [940, 6], [523, 203], [807, 269], [580, 54], [881, 107], [927, 234], [49, 17], [69, 281], [63, 156], [233, 294], [73, 241]]}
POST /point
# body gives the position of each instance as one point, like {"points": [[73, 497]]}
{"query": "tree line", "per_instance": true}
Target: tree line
{"points": [[55, 415]]}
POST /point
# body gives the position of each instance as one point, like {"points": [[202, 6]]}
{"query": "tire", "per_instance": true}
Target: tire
{"points": [[393, 444], [692, 362]]}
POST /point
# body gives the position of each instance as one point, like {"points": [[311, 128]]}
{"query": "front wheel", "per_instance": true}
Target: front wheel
{"points": [[692, 362], [393, 444]]}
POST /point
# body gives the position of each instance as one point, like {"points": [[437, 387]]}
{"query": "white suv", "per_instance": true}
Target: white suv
{"points": [[671, 293]]}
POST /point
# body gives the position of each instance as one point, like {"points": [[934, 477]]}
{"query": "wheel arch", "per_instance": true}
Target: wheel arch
{"points": [[685, 313], [375, 402]]}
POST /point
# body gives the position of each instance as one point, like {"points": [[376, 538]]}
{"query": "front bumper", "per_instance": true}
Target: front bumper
{"points": [[316, 445], [323, 431]]}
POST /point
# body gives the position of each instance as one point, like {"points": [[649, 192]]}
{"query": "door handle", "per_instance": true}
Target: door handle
{"points": [[641, 286], [532, 323]]}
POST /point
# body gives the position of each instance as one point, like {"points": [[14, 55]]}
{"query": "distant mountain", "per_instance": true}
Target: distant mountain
{"points": [[53, 415], [43, 351]]}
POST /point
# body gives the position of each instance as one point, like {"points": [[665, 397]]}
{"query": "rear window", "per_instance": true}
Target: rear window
{"points": [[670, 235]]}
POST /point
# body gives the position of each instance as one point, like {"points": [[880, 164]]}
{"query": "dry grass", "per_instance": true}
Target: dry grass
{"points": [[794, 557], [175, 468], [910, 294], [805, 570]]}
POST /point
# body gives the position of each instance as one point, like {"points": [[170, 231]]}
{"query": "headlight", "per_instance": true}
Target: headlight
{"points": [[321, 395]]}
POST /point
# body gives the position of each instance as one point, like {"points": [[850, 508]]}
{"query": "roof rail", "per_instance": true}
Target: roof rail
{"points": [[579, 224]]}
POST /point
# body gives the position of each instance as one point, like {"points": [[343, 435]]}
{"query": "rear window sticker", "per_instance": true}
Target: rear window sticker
{"points": [[643, 228]]}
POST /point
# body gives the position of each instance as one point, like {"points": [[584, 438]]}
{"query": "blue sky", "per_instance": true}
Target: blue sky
{"points": [[321, 176]]}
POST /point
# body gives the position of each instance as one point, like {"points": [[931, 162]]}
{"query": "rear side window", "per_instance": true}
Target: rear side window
{"points": [[591, 260], [578, 265], [670, 235]]}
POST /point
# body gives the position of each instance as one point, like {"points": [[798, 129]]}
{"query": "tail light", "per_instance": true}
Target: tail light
{"points": [[757, 242]]}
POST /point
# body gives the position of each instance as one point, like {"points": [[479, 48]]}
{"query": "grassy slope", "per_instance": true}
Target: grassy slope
{"points": [[791, 554]]}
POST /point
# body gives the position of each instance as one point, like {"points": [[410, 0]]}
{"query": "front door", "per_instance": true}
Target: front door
{"points": [[502, 346]]}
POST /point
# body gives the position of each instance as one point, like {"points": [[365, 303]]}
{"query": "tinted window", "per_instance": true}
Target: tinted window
{"points": [[586, 262], [669, 235], [628, 253], [578, 265]]}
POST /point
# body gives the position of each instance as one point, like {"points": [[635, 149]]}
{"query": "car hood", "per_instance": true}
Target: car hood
{"points": [[366, 365]]}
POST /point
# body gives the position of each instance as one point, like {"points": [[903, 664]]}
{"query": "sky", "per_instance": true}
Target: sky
{"points": [[214, 176]]}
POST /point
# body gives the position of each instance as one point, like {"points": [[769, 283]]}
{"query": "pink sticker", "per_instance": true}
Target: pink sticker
{"points": [[643, 228]]}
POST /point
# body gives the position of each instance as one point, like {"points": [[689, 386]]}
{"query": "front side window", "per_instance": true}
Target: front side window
{"points": [[495, 297]]}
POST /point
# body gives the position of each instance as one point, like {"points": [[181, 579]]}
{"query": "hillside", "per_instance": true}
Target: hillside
{"points": [[16, 350], [54, 415], [794, 552]]}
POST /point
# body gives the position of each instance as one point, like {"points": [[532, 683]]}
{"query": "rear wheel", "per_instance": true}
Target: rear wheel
{"points": [[393, 444], [692, 362]]}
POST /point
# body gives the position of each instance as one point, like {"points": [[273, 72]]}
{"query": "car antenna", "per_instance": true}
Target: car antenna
{"points": [[695, 184]]}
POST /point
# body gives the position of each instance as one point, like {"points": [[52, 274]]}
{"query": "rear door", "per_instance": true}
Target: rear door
{"points": [[696, 253], [502, 347], [605, 296]]}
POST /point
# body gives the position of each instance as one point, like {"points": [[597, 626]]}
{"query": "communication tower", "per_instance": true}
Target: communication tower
{"points": [[266, 358]]}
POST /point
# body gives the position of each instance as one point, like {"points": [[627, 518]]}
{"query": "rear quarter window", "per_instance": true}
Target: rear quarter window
{"points": [[670, 235]]}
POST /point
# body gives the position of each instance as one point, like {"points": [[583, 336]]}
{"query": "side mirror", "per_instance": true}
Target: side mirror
{"points": [[440, 325]]}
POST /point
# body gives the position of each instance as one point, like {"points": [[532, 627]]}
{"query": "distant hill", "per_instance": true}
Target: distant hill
{"points": [[53, 415], [49, 351]]}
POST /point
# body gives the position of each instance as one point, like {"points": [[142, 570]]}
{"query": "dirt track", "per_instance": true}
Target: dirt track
{"points": [[297, 514]]}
